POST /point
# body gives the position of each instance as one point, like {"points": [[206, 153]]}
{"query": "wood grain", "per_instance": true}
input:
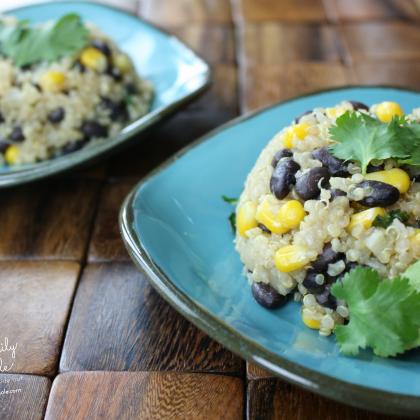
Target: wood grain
{"points": [[35, 302], [106, 242], [265, 85], [256, 372], [170, 13], [23, 397], [362, 10], [280, 43], [275, 399], [48, 220], [395, 73], [382, 41], [119, 322], [144, 395], [280, 10], [215, 43]]}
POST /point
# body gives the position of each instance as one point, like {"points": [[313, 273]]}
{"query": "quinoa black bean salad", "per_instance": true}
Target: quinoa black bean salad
{"points": [[63, 84], [330, 215]]}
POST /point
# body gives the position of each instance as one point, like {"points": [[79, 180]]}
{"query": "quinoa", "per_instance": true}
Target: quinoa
{"points": [[325, 225], [92, 103]]}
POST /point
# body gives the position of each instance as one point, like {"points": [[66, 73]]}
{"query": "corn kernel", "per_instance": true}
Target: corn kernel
{"points": [[314, 324], [386, 110], [299, 131], [12, 154], [123, 63], [365, 218], [245, 218], [53, 81], [280, 220], [395, 177], [290, 258], [93, 59]]}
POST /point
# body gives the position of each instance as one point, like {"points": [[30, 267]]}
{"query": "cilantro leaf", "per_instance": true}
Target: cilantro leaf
{"points": [[362, 139], [27, 45], [383, 313], [232, 221], [229, 200], [387, 219], [413, 275]]}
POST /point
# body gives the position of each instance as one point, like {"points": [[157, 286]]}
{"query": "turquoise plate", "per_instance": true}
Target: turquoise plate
{"points": [[177, 74], [175, 227]]}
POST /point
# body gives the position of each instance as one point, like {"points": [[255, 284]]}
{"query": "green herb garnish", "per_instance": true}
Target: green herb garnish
{"points": [[229, 200], [387, 219], [413, 275], [26, 45], [232, 216], [384, 314], [363, 139]]}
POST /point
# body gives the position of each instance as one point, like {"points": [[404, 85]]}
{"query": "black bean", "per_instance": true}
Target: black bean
{"points": [[327, 256], [4, 144], [359, 105], [311, 285], [79, 66], [56, 115], [73, 146], [297, 119], [413, 172], [267, 296], [326, 299], [335, 166], [335, 192], [1, 118], [113, 72], [283, 177], [264, 228], [307, 184], [17, 135], [102, 46], [93, 129], [375, 168], [131, 88], [118, 110], [280, 155], [381, 195]]}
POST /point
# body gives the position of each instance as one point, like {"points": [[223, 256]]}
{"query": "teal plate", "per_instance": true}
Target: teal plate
{"points": [[177, 75], [175, 227]]}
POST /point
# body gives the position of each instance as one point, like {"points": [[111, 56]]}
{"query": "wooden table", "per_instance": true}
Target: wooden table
{"points": [[94, 339]]}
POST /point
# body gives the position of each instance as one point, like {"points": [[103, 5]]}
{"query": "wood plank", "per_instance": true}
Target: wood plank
{"points": [[280, 11], [362, 10], [280, 43], [48, 220], [382, 41], [256, 372], [134, 329], [35, 302], [144, 395], [23, 397], [269, 84], [214, 42], [106, 243], [275, 399], [394, 73], [169, 13]]}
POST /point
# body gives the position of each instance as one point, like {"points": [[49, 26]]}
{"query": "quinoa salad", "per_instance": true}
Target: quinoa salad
{"points": [[63, 85], [330, 216]]}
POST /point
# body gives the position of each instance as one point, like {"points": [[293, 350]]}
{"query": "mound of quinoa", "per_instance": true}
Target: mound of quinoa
{"points": [[323, 229], [39, 121]]}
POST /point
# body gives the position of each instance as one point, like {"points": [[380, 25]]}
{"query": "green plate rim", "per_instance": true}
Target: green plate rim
{"points": [[336, 389], [51, 167]]}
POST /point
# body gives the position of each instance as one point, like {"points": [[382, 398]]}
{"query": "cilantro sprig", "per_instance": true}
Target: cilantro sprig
{"points": [[26, 45], [232, 216], [362, 139], [383, 313], [388, 218]]}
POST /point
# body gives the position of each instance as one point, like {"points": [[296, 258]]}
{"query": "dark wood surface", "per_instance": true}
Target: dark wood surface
{"points": [[83, 317]]}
